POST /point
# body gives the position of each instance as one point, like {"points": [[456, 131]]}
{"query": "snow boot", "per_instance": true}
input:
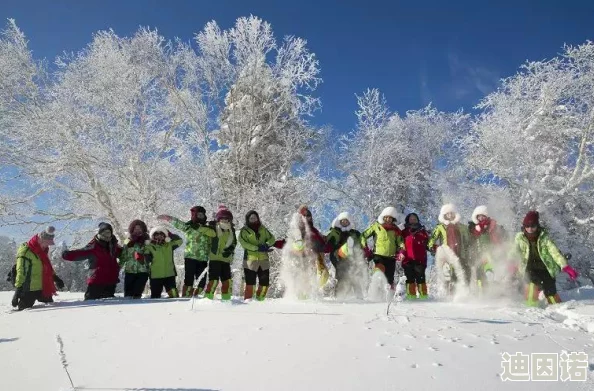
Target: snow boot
{"points": [[173, 293], [249, 292], [211, 289], [411, 290], [186, 291], [532, 293], [423, 291], [555, 299], [261, 292], [225, 290]]}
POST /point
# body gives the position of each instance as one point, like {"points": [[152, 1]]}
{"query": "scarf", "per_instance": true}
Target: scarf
{"points": [[140, 240], [453, 238], [256, 228], [390, 227], [533, 237], [47, 275]]}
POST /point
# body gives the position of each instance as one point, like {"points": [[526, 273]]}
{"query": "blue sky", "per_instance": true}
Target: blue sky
{"points": [[446, 52]]}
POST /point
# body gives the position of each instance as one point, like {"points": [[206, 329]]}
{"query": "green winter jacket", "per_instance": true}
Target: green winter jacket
{"points": [[250, 242], [126, 260], [197, 240], [387, 243], [440, 235], [337, 240], [222, 244], [160, 257], [29, 269], [547, 250]]}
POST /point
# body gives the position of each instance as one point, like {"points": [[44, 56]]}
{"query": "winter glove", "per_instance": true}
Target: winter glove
{"points": [[58, 281], [400, 257], [279, 243], [227, 252], [17, 296], [139, 257], [263, 248], [570, 272]]}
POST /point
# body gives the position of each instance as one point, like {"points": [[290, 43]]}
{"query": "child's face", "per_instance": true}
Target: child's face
{"points": [[413, 219], [388, 219], [159, 236], [481, 217], [345, 223], [450, 216], [137, 230], [253, 219]]}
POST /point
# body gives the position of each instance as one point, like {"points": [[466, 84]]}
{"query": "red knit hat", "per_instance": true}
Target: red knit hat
{"points": [[531, 218], [224, 213], [304, 210]]}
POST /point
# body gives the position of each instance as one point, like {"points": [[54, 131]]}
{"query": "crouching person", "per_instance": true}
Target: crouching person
{"points": [[159, 254], [35, 278], [102, 252], [257, 242]]}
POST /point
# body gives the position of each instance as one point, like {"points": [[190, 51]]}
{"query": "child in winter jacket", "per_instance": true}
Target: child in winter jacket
{"points": [[159, 254], [453, 251], [257, 241], [387, 243], [540, 260], [132, 259], [344, 243], [222, 249], [485, 236], [35, 277], [197, 248], [414, 261], [102, 253]]}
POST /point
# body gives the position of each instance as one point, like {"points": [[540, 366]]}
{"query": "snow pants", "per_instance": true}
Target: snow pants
{"points": [[414, 272], [100, 291], [543, 279], [386, 265], [157, 285], [134, 284], [193, 270]]}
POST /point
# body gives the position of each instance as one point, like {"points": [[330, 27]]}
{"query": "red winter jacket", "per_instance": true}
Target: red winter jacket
{"points": [[102, 258], [415, 246]]}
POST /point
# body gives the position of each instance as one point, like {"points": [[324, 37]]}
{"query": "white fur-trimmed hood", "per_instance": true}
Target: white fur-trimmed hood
{"points": [[479, 210], [447, 208], [389, 211], [342, 216], [160, 228]]}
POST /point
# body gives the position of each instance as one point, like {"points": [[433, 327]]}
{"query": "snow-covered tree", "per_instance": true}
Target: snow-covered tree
{"points": [[105, 137], [535, 136], [394, 160], [8, 249]]}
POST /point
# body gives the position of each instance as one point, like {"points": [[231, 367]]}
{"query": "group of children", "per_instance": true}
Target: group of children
{"points": [[463, 253]]}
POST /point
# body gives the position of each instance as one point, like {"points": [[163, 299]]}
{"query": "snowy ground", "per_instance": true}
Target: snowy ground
{"points": [[281, 345]]}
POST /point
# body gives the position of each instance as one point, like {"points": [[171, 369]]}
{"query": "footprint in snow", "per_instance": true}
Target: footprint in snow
{"points": [[434, 348], [494, 342], [437, 364], [407, 349], [468, 346], [379, 344], [414, 366]]}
